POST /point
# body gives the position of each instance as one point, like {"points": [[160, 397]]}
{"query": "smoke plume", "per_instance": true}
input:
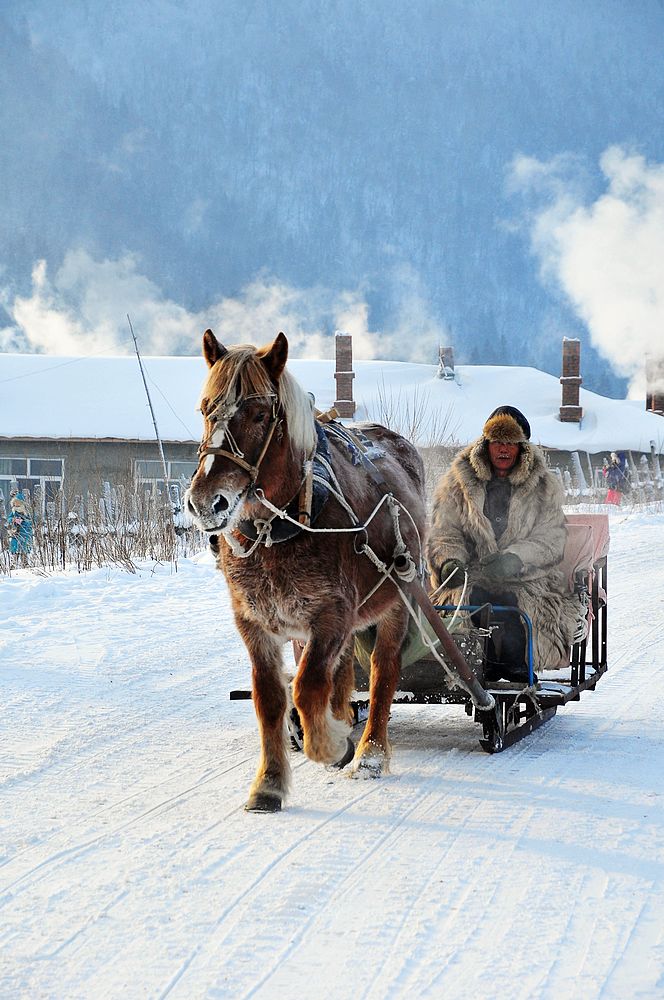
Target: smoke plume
{"points": [[82, 309], [606, 253]]}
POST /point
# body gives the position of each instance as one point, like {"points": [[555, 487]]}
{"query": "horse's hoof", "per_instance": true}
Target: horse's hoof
{"points": [[369, 766], [347, 757], [263, 802]]}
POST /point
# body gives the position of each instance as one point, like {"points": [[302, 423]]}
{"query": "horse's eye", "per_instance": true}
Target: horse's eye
{"points": [[259, 418]]}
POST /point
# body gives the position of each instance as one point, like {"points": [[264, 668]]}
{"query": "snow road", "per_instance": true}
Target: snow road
{"points": [[128, 867]]}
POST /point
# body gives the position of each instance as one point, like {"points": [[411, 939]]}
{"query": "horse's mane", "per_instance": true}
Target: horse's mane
{"points": [[242, 374]]}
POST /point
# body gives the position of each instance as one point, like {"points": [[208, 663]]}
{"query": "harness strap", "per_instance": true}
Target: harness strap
{"points": [[306, 493], [251, 469]]}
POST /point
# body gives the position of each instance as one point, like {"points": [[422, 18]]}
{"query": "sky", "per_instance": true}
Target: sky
{"points": [[460, 173], [606, 255]]}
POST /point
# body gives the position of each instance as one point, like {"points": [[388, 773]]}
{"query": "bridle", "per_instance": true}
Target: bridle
{"points": [[221, 413]]}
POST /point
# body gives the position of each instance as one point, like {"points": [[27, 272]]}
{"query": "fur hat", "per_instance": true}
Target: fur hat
{"points": [[507, 425]]}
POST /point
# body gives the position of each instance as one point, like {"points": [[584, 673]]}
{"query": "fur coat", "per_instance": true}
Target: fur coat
{"points": [[535, 532]]}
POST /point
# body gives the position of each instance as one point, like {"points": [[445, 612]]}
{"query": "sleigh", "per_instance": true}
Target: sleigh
{"points": [[519, 708]]}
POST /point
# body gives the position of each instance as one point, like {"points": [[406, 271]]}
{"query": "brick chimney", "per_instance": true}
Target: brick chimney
{"points": [[655, 384], [570, 411], [344, 374], [445, 362]]}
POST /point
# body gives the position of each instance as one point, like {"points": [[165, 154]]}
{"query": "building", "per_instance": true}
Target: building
{"points": [[75, 423]]}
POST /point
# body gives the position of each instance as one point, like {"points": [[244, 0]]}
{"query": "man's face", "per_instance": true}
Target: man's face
{"points": [[502, 456]]}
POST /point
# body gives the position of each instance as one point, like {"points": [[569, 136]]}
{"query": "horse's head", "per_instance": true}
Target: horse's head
{"points": [[248, 402]]}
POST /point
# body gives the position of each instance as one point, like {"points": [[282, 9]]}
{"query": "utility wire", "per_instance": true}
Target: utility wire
{"points": [[63, 364], [173, 411]]}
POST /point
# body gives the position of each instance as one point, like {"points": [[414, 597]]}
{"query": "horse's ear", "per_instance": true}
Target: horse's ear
{"points": [[212, 349], [274, 356]]}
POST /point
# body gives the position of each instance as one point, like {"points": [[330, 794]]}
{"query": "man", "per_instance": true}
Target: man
{"points": [[498, 516]]}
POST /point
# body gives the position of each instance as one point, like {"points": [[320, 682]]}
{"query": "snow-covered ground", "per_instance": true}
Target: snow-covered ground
{"points": [[128, 867]]}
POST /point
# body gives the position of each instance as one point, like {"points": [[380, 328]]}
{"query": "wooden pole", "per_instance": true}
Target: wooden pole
{"points": [[457, 663], [154, 419]]}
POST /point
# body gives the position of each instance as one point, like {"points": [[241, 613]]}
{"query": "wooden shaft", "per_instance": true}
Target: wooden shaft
{"points": [[453, 654]]}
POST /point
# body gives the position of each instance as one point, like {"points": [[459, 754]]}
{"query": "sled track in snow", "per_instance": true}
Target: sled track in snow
{"points": [[341, 882], [76, 849], [134, 869]]}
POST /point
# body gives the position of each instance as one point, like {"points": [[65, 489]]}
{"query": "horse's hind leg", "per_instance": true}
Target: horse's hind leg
{"points": [[272, 780], [344, 685], [318, 698], [373, 752]]}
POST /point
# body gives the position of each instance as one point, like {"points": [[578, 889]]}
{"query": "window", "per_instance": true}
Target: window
{"points": [[13, 467], [41, 477], [182, 470], [48, 467], [151, 472]]}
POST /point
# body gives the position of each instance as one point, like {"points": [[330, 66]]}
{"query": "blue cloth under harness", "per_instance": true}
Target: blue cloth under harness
{"points": [[361, 450]]}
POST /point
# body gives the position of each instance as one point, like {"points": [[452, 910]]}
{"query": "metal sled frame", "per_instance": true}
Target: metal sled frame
{"points": [[521, 709]]}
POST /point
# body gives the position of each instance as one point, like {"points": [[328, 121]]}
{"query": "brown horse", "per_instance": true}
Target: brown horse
{"points": [[319, 574]]}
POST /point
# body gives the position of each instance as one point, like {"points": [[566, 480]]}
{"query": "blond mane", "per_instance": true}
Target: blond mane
{"points": [[242, 373]]}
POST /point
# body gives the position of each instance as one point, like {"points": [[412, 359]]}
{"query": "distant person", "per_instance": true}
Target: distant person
{"points": [[498, 515], [617, 477], [19, 527]]}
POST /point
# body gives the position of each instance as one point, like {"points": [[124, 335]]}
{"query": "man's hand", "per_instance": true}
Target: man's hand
{"points": [[453, 569], [503, 565]]}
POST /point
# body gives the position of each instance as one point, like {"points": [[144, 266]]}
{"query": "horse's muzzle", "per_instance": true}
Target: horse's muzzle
{"points": [[214, 515]]}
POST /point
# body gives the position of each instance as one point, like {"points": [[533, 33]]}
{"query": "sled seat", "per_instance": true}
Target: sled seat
{"points": [[585, 549], [587, 543], [584, 566]]}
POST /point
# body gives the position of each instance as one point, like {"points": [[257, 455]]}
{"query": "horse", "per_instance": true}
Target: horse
{"points": [[306, 520]]}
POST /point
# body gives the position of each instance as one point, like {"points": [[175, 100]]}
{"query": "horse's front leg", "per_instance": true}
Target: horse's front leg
{"points": [[373, 752], [272, 780], [319, 695]]}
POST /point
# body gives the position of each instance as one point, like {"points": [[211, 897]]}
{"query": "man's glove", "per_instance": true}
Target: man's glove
{"points": [[503, 565], [454, 567]]}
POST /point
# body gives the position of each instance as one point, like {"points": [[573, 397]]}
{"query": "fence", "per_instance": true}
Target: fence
{"points": [[112, 525], [584, 483], [124, 523]]}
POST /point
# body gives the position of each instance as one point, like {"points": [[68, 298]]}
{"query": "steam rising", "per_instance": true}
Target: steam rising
{"points": [[607, 255], [82, 309]]}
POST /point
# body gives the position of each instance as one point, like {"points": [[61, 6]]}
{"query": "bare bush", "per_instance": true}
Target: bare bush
{"points": [[111, 525], [432, 431]]}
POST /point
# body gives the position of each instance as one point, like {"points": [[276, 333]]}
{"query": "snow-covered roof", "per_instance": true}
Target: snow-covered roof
{"points": [[44, 396]]}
